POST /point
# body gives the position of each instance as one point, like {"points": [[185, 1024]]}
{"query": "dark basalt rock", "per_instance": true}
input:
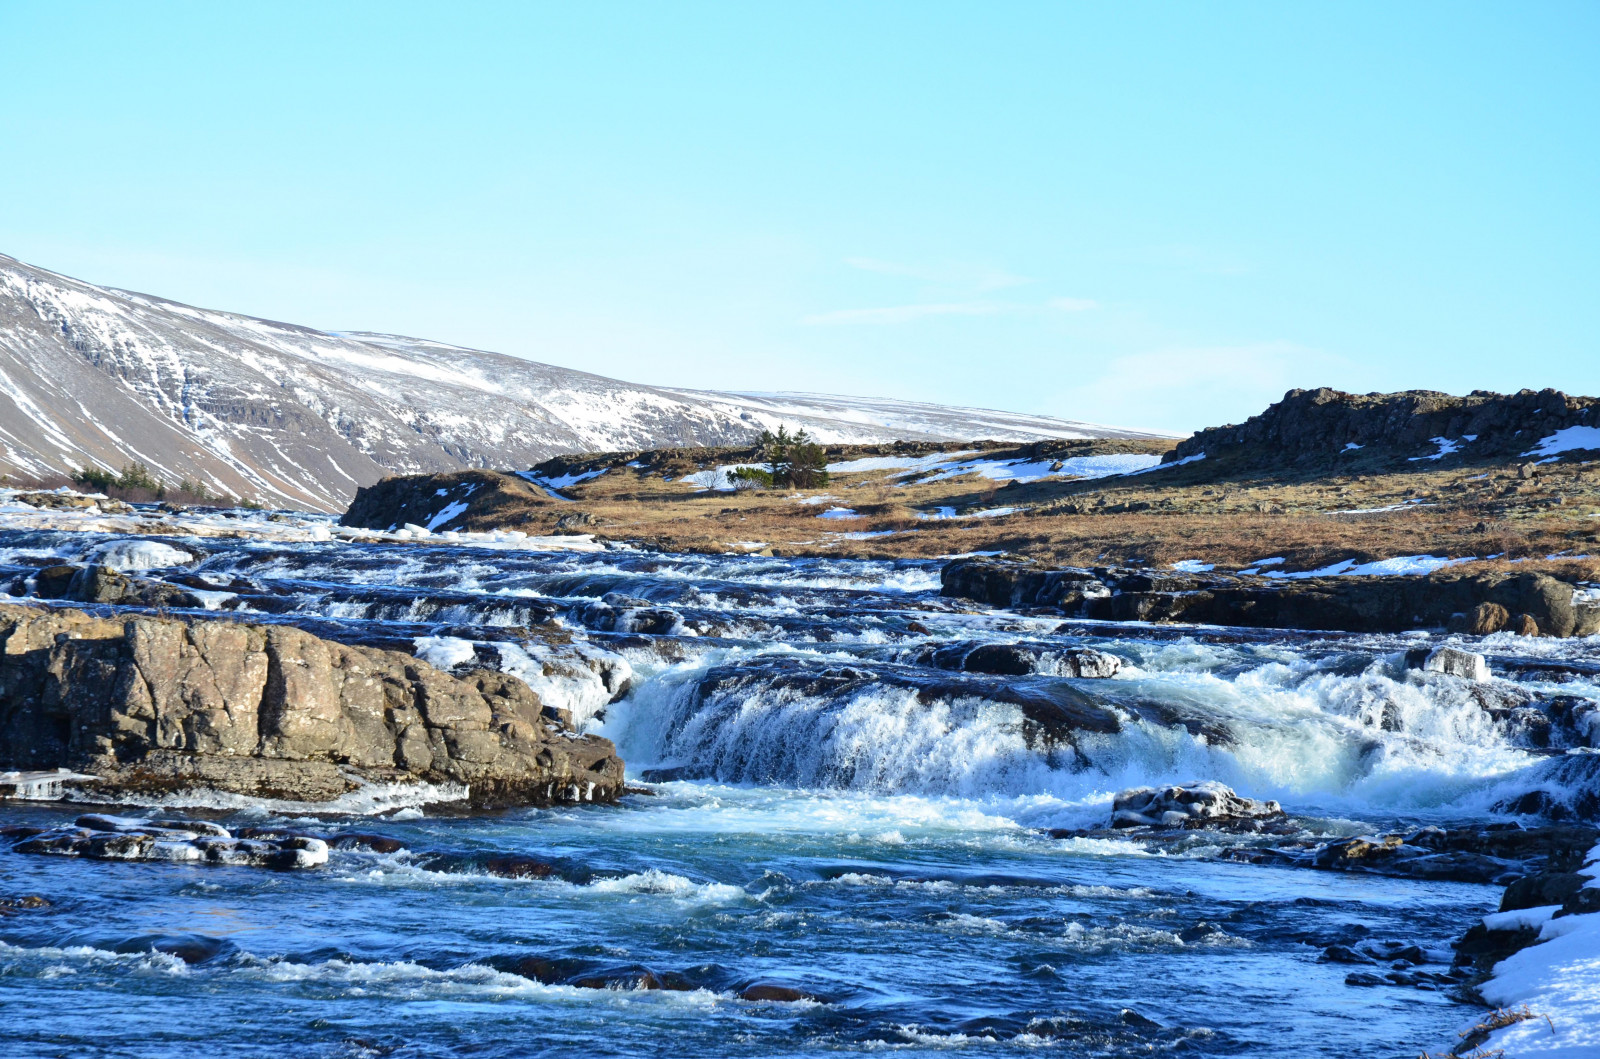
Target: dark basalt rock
{"points": [[1310, 430], [1189, 806], [1020, 659], [361, 840], [1349, 604], [1565, 788], [153, 704], [181, 841]]}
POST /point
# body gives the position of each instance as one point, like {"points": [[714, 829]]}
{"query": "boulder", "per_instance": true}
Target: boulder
{"points": [[1488, 618], [1192, 805], [152, 704]]}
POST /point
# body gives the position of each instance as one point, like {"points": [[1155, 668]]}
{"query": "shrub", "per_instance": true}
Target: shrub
{"points": [[744, 478]]}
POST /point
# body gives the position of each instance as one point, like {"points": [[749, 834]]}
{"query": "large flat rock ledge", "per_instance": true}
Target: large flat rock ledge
{"points": [[149, 704]]}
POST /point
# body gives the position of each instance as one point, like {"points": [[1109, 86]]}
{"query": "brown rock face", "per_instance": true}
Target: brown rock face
{"points": [[1488, 618], [157, 704]]}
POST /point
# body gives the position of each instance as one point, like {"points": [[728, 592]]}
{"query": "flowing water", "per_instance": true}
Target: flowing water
{"points": [[836, 809]]}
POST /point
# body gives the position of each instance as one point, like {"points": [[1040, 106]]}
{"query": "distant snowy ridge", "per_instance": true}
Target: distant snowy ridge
{"points": [[289, 415]]}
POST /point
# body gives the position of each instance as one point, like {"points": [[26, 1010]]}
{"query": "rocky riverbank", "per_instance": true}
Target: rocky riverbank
{"points": [[1533, 604], [151, 705]]}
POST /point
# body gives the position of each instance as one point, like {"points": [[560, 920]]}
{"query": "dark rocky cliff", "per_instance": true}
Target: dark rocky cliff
{"points": [[1329, 430]]}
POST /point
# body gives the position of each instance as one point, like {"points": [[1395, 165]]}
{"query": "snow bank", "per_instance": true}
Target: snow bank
{"points": [[1567, 440], [1400, 564], [1558, 978]]}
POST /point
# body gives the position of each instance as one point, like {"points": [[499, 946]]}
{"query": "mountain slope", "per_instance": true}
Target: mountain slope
{"points": [[93, 376]]}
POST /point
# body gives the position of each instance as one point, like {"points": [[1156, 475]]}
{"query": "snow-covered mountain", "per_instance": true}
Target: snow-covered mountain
{"points": [[289, 415]]}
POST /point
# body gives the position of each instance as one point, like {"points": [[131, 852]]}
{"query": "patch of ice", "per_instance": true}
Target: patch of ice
{"points": [[839, 512], [1193, 566], [1351, 446]]}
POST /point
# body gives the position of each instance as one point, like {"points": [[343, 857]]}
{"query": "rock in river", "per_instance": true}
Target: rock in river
{"points": [[188, 841], [155, 704], [1206, 804]]}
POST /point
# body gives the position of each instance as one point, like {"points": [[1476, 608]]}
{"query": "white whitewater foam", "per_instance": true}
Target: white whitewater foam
{"points": [[139, 555]]}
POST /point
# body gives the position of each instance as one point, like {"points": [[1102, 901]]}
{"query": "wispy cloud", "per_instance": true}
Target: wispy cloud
{"points": [[1189, 387], [900, 314], [965, 275]]}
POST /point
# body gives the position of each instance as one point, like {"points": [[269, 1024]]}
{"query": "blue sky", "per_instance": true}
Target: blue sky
{"points": [[1157, 215]]}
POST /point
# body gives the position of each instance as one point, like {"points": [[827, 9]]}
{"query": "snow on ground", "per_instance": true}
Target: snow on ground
{"points": [[1567, 440], [721, 478], [1559, 980], [448, 512], [839, 512], [945, 465], [1400, 564], [285, 526], [1193, 566], [896, 463], [1159, 466], [1106, 466], [564, 481], [1446, 447]]}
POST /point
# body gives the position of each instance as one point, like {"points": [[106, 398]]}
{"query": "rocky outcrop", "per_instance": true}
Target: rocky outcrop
{"points": [[155, 704], [1544, 605], [1321, 430], [183, 841], [460, 500], [1189, 806]]}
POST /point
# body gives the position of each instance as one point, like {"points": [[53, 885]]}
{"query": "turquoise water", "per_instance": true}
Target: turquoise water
{"points": [[852, 826]]}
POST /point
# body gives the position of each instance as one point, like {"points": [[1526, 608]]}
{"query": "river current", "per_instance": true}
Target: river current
{"points": [[822, 807]]}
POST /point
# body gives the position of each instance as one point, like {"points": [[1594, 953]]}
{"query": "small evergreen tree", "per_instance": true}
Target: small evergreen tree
{"points": [[792, 459], [94, 478], [808, 464]]}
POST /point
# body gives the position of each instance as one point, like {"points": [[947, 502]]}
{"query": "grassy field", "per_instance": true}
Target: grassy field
{"points": [[1549, 514]]}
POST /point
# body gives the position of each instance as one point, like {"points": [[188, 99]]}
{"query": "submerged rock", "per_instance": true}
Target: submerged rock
{"points": [[184, 841], [1205, 804], [152, 704]]}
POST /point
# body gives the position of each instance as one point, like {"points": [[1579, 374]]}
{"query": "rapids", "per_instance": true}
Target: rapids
{"points": [[825, 807]]}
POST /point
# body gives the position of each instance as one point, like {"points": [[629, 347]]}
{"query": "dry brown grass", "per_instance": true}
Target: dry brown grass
{"points": [[1477, 1036], [1156, 519]]}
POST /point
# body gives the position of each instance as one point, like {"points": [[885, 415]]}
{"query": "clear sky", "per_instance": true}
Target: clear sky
{"points": [[1155, 215]]}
